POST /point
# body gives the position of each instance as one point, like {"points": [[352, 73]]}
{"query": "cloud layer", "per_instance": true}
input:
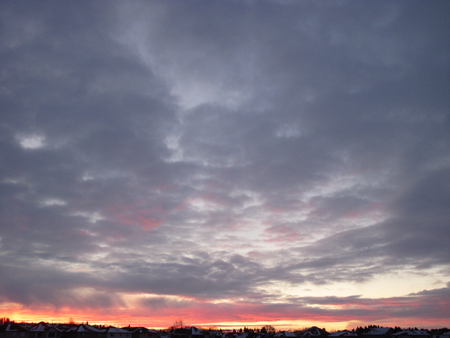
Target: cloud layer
{"points": [[226, 162]]}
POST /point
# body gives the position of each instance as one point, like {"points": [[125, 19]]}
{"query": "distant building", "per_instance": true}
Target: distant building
{"points": [[412, 334], [13, 330], [379, 332], [44, 330], [114, 332], [80, 331], [441, 335], [142, 332], [312, 332], [343, 333], [188, 332], [285, 334]]}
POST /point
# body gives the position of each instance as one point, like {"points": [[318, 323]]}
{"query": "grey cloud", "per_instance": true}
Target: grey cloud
{"points": [[310, 137], [53, 287], [158, 303]]}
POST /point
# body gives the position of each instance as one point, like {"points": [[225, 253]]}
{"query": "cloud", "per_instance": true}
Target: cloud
{"points": [[219, 156]]}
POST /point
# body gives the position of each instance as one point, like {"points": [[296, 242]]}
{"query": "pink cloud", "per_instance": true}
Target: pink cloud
{"points": [[423, 309]]}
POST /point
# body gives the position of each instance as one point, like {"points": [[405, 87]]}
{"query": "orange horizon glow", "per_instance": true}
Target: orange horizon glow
{"points": [[125, 317]]}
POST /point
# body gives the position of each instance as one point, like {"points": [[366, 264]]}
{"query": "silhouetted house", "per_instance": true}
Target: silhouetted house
{"points": [[142, 332], [412, 334], [343, 333], [441, 335], [114, 332], [12, 330], [188, 332], [379, 332], [312, 332], [80, 331], [67, 330], [285, 334], [216, 334], [44, 330]]}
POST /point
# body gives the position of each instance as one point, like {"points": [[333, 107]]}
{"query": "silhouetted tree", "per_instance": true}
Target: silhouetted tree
{"points": [[4, 320], [268, 329]]}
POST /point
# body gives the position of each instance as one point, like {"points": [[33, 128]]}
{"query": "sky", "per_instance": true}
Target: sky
{"points": [[227, 163]]}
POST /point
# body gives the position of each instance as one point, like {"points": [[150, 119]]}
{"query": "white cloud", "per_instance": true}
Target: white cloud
{"points": [[33, 141], [48, 202], [92, 217]]}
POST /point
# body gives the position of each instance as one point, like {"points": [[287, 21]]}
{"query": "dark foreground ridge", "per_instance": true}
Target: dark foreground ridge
{"points": [[10, 329]]}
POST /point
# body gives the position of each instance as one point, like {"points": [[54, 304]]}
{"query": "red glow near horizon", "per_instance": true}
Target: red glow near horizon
{"points": [[226, 315]]}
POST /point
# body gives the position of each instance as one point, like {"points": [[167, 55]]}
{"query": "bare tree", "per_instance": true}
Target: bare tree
{"points": [[177, 324]]}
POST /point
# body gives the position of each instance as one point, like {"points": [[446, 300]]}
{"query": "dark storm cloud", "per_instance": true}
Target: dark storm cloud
{"points": [[212, 149]]}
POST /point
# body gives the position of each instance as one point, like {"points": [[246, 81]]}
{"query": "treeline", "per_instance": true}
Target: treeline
{"points": [[360, 330], [266, 329]]}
